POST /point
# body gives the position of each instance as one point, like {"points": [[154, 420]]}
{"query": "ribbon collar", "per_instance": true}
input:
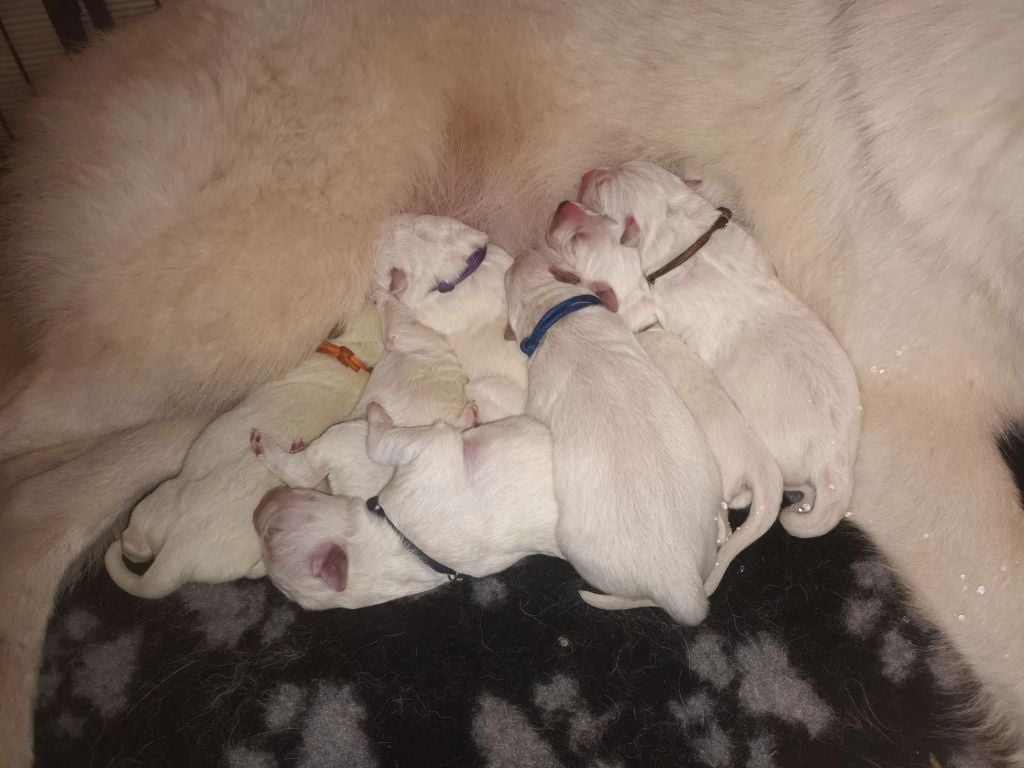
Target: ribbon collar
{"points": [[724, 216], [561, 309], [472, 264], [374, 507]]}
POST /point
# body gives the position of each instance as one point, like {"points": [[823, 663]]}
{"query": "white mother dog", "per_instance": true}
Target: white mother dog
{"points": [[782, 367], [637, 487]]}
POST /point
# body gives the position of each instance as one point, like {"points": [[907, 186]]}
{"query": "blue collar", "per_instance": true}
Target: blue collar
{"points": [[561, 309], [374, 507]]}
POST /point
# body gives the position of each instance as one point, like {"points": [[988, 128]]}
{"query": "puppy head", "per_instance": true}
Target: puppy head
{"points": [[445, 272], [668, 212], [327, 551], [531, 291], [599, 253]]}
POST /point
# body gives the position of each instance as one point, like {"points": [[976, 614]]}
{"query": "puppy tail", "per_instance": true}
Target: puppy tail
{"points": [[766, 498], [831, 503], [615, 603], [151, 585]]}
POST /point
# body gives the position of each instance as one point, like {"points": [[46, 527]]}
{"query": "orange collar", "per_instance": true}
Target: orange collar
{"points": [[345, 356]]}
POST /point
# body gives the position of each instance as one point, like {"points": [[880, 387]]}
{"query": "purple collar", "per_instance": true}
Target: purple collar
{"points": [[472, 264]]}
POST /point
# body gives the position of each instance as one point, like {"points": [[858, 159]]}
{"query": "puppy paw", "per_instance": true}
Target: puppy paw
{"points": [[256, 441], [297, 446], [376, 416]]}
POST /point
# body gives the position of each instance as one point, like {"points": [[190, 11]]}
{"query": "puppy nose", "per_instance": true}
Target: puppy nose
{"points": [[591, 180]]}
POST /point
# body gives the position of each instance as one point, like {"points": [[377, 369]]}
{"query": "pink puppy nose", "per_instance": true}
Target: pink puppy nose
{"points": [[591, 179]]}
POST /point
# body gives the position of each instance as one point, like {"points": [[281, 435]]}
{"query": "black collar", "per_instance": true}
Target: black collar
{"points": [[374, 507], [724, 215]]}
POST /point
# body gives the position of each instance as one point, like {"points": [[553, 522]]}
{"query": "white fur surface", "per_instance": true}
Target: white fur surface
{"points": [[637, 487], [473, 316], [591, 253], [203, 172], [784, 370], [198, 526], [475, 498]]}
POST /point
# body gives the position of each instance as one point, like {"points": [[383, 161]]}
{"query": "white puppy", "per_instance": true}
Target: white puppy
{"points": [[476, 499], [591, 253], [197, 526], [637, 487], [328, 551], [453, 281], [461, 502], [782, 367], [418, 377]]}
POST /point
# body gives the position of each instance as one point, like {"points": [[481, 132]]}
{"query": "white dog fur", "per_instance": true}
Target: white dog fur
{"points": [[198, 526], [418, 377], [590, 253], [778, 362], [422, 250], [476, 501], [327, 551], [475, 498], [637, 487], [875, 149]]}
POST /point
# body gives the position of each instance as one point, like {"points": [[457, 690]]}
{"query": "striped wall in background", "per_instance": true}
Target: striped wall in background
{"points": [[35, 32]]}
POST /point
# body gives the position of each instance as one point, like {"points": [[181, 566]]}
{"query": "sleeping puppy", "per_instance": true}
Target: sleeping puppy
{"points": [[475, 498], [461, 502], [453, 281], [325, 551], [592, 252], [638, 490], [418, 377], [197, 526], [712, 285]]}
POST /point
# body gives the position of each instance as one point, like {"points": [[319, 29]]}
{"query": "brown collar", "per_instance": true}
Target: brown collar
{"points": [[724, 216]]}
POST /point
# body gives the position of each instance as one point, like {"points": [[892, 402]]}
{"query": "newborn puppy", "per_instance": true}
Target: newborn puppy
{"points": [[476, 499], [474, 502], [418, 377], [784, 370], [453, 281], [328, 551], [637, 487], [197, 526], [595, 251]]}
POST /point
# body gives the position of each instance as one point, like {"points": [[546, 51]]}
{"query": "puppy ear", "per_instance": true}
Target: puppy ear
{"points": [[606, 294], [330, 565], [399, 280], [693, 183], [631, 234], [510, 335], [564, 276]]}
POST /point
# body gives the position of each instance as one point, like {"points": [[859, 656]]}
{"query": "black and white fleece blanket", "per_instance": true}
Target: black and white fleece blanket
{"points": [[809, 658]]}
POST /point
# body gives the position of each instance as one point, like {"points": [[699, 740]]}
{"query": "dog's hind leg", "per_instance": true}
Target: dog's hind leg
{"points": [[47, 522]]}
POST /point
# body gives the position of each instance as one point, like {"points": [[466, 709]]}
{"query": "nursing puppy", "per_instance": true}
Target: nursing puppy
{"points": [[839, 134], [453, 281], [197, 526], [778, 362], [591, 252], [637, 487], [418, 377]]}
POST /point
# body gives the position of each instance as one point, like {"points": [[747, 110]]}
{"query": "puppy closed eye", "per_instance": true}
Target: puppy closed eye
{"points": [[564, 276]]}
